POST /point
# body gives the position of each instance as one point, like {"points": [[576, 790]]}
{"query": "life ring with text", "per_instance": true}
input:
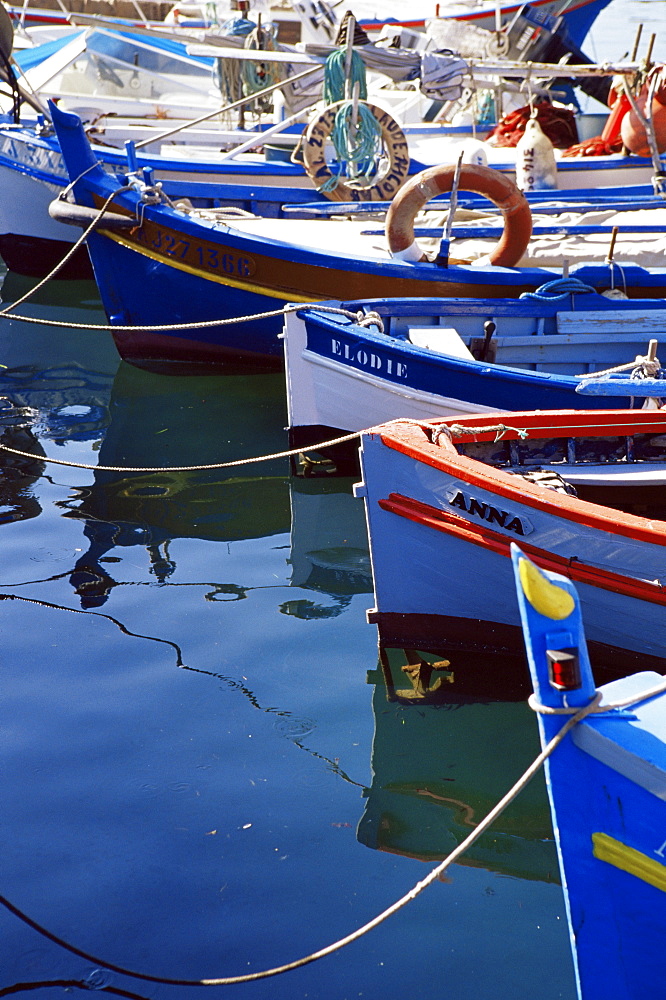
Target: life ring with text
{"points": [[477, 179], [395, 145]]}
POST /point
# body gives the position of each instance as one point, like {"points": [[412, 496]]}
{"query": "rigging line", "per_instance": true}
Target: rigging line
{"points": [[433, 875], [98, 614], [70, 253]]}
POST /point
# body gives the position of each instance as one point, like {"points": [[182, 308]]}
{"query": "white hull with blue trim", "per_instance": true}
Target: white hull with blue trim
{"points": [[443, 509], [377, 360]]}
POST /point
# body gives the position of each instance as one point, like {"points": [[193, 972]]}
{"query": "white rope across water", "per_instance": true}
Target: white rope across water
{"points": [[184, 468], [433, 876], [596, 705], [365, 319], [444, 429]]}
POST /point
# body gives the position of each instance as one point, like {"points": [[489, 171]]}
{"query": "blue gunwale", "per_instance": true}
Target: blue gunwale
{"points": [[213, 271], [477, 382]]}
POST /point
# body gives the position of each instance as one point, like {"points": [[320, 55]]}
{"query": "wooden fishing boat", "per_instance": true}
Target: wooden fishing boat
{"points": [[366, 362], [190, 165], [172, 267], [579, 14], [445, 499], [606, 783], [245, 168]]}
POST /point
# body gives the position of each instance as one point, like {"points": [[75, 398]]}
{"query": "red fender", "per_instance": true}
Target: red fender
{"points": [[613, 126], [633, 132], [497, 187]]}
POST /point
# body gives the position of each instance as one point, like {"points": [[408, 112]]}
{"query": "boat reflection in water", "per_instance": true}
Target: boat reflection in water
{"points": [[329, 546], [44, 394], [444, 753], [165, 421], [17, 475]]}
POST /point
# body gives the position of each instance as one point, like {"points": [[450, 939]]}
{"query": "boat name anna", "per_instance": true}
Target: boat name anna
{"points": [[493, 515], [25, 154], [368, 359]]}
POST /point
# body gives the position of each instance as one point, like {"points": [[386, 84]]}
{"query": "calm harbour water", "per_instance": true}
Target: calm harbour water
{"points": [[201, 776]]}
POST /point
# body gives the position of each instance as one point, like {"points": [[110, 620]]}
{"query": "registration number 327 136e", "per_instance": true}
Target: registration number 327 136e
{"points": [[202, 255]]}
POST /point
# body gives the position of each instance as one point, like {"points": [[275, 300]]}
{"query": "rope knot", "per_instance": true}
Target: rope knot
{"points": [[370, 318]]}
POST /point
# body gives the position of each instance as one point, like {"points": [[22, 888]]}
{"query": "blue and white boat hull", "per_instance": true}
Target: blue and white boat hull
{"points": [[607, 785], [441, 524]]}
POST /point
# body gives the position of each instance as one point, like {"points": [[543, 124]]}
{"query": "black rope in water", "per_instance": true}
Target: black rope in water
{"points": [[98, 614], [77, 984]]}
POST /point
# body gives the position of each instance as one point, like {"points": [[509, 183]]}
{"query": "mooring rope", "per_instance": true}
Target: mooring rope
{"points": [[596, 704], [59, 266], [184, 468], [434, 874], [643, 366], [365, 319], [109, 327], [442, 430], [460, 430]]}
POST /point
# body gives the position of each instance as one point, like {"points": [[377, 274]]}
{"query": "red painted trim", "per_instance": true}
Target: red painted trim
{"points": [[409, 439], [486, 538], [369, 25]]}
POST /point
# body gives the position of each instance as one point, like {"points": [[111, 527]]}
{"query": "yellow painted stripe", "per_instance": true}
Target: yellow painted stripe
{"points": [[246, 286], [629, 860]]}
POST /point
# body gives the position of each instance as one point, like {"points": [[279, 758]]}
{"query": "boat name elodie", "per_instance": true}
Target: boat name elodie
{"points": [[363, 358], [473, 507]]}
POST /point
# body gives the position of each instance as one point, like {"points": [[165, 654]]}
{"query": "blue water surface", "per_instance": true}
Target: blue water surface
{"points": [[198, 779], [201, 773]]}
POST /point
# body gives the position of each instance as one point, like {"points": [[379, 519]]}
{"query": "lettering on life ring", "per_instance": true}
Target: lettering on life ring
{"points": [[475, 178], [395, 145]]}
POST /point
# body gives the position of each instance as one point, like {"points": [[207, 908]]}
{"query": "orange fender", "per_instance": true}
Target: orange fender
{"points": [[497, 187], [633, 131]]}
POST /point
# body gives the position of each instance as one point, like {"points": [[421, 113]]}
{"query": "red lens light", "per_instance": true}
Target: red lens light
{"points": [[563, 669]]}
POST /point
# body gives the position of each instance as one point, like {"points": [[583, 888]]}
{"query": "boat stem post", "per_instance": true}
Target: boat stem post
{"points": [[130, 150], [609, 256], [351, 28], [443, 255]]}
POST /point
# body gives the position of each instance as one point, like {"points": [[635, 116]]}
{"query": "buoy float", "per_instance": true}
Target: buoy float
{"points": [[634, 135], [536, 169]]}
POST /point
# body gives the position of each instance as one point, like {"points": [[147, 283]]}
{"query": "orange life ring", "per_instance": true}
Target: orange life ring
{"points": [[319, 172], [497, 187]]}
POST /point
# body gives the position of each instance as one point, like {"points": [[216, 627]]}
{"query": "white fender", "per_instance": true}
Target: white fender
{"points": [[536, 169]]}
